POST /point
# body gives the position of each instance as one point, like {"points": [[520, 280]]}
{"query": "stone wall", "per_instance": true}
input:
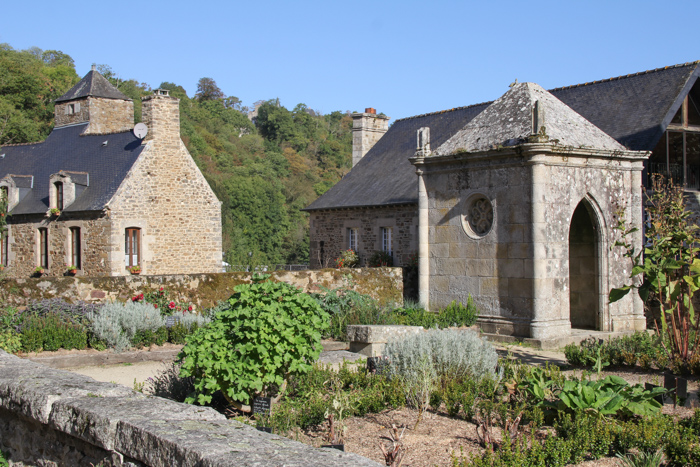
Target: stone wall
{"points": [[24, 244], [105, 115], [331, 228], [167, 197], [109, 116], [202, 290], [54, 417]]}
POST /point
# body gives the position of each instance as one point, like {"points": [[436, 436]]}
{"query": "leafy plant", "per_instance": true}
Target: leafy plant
{"points": [[641, 459], [347, 259], [668, 271], [10, 341], [270, 330], [380, 259]]}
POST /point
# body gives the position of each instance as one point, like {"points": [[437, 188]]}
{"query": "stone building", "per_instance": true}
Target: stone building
{"points": [[654, 111], [104, 196]]}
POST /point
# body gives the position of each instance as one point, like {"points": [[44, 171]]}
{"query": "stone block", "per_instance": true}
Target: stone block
{"points": [[511, 268], [521, 288], [370, 334]]}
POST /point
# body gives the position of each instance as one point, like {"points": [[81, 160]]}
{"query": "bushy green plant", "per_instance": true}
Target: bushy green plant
{"points": [[10, 341], [117, 324], [347, 259], [638, 348], [346, 306], [186, 324], [668, 270], [51, 332], [454, 315], [270, 331], [380, 259]]}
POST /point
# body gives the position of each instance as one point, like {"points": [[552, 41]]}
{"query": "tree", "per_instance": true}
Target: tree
{"points": [[207, 90]]}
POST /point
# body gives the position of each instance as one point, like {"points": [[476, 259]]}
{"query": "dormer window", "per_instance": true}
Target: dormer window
{"points": [[59, 195], [73, 108]]}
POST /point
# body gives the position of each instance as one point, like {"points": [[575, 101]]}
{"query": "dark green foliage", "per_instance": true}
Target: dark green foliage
{"points": [[640, 348], [146, 337], [51, 332], [345, 307], [380, 259], [455, 314], [270, 331], [178, 333]]}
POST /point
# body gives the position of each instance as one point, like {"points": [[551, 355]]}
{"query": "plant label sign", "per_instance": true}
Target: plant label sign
{"points": [[262, 405], [266, 429]]}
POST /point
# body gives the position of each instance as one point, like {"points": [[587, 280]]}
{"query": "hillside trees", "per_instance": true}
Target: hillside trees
{"points": [[30, 80]]}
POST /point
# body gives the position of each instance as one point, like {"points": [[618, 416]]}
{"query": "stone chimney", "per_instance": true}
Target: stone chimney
{"points": [[161, 114], [367, 129]]}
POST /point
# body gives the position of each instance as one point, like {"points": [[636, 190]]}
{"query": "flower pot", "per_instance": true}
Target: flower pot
{"points": [[72, 272], [135, 273]]}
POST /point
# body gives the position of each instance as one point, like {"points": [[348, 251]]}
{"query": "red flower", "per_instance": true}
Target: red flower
{"points": [[155, 305], [190, 308], [171, 305]]}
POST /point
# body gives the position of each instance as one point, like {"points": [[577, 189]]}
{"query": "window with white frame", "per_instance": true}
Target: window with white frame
{"points": [[352, 239], [387, 240], [132, 247], [75, 247]]}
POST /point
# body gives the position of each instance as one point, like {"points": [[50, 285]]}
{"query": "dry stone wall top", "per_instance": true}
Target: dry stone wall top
{"points": [[54, 417]]}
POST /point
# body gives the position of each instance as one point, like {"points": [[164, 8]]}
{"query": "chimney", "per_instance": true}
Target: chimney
{"points": [[367, 129], [161, 114]]}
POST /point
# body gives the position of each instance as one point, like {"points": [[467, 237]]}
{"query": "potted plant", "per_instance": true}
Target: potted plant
{"points": [[38, 271], [72, 270], [136, 270], [55, 212]]}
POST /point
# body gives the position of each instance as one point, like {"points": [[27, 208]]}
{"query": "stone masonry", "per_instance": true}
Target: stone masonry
{"points": [[168, 198], [105, 115], [326, 226], [55, 417], [367, 129]]}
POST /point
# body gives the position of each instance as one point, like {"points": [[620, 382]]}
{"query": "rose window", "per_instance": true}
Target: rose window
{"points": [[480, 216]]}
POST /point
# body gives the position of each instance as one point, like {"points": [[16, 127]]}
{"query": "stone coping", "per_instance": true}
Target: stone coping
{"points": [[81, 358], [117, 422]]}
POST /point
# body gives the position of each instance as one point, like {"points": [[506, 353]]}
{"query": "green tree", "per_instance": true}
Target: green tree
{"points": [[207, 90]]}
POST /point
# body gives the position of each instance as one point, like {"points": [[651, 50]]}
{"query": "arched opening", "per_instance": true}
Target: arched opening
{"points": [[583, 269]]}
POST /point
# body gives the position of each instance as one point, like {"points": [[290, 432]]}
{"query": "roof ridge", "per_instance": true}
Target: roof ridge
{"points": [[615, 78], [442, 111], [696, 62], [20, 144]]}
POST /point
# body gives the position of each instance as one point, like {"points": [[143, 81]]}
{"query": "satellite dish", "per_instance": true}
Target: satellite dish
{"points": [[140, 130]]}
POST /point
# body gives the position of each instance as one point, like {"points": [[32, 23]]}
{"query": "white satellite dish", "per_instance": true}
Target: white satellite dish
{"points": [[140, 130]]}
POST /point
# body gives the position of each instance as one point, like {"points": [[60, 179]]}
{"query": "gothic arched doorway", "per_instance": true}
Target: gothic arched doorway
{"points": [[584, 268]]}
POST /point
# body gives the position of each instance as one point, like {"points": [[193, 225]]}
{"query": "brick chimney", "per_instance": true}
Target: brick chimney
{"points": [[161, 114], [367, 129]]}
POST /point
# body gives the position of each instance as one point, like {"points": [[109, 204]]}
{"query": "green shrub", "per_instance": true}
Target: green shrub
{"points": [[10, 341], [120, 325], [683, 447], [345, 307], [380, 259], [455, 314], [51, 332], [269, 331]]}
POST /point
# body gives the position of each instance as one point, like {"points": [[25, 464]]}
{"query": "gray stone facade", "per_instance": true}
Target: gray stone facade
{"points": [[329, 231], [524, 224], [367, 129]]}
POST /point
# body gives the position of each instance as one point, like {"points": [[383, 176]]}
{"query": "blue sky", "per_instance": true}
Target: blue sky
{"points": [[401, 57]]}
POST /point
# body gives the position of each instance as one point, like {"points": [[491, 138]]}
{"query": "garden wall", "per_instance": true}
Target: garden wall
{"points": [[54, 417], [203, 290]]}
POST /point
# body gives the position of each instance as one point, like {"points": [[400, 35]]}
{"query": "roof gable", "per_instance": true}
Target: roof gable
{"points": [[508, 121], [94, 85]]}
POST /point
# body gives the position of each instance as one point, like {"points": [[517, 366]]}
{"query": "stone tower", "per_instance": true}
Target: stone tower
{"points": [[96, 101]]}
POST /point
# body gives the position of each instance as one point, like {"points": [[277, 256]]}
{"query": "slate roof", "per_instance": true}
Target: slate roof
{"points": [[66, 149], [95, 85], [508, 122], [634, 109]]}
